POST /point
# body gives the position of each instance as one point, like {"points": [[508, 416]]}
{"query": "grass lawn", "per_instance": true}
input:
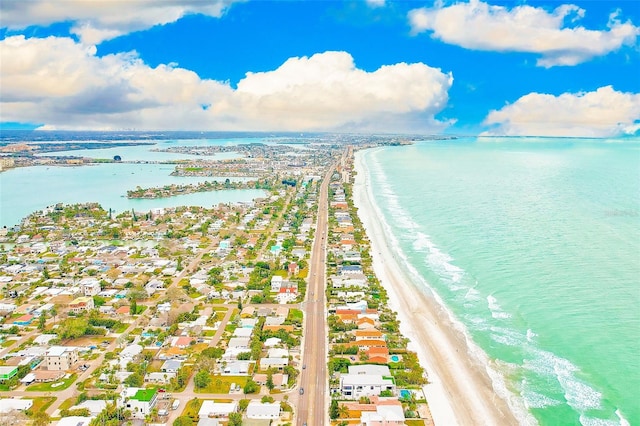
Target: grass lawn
{"points": [[414, 422], [7, 343], [136, 331], [120, 328], [209, 333], [222, 384], [220, 308], [192, 408], [68, 403], [41, 403], [48, 387], [295, 314]]}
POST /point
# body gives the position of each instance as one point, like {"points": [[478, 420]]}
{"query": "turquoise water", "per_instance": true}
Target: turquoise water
{"points": [[28, 189], [534, 246], [395, 358]]}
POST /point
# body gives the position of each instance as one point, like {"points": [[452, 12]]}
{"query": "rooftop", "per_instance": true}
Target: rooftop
{"points": [[144, 395]]}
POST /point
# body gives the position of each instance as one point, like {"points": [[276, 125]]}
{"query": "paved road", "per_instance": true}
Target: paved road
{"points": [[313, 402]]}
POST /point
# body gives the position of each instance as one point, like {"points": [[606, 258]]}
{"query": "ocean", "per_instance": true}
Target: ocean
{"points": [[533, 245]]}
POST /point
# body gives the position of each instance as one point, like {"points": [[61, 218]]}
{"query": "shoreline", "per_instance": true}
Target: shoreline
{"points": [[460, 390]]}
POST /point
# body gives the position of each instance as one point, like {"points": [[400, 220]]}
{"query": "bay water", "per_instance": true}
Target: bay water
{"points": [[25, 190], [533, 245]]}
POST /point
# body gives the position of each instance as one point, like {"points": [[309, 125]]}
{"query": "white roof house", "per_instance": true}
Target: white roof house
{"points": [[354, 386], [213, 409], [384, 415], [278, 353], [381, 370], [74, 421], [242, 332], [258, 410], [239, 342], [10, 404]]}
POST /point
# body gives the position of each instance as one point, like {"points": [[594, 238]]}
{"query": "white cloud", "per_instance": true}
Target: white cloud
{"points": [[98, 20], [480, 26], [604, 112], [63, 84], [376, 3]]}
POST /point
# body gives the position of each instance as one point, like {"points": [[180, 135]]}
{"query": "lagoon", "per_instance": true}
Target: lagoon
{"points": [[28, 189]]}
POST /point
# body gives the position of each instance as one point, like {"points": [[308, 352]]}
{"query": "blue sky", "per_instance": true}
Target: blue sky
{"points": [[470, 67]]}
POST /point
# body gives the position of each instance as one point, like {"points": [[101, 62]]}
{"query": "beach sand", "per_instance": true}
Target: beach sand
{"points": [[460, 391]]}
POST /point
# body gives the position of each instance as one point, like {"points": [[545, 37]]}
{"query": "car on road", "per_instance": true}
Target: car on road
{"points": [[301, 391], [304, 366]]}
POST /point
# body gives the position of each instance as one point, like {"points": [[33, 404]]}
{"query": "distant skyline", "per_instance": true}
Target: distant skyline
{"points": [[539, 68]]}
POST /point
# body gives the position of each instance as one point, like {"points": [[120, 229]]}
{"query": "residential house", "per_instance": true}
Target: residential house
{"points": [[276, 283], [368, 335], [385, 415], [61, 358], [90, 286], [159, 377], [366, 380], [139, 401], [258, 410], [80, 304], [276, 363], [293, 268], [236, 368], [280, 380], [7, 372], [217, 409], [171, 366], [23, 320]]}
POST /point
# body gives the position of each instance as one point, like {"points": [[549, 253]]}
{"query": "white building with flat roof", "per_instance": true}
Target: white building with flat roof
{"points": [[61, 358], [354, 386], [258, 410], [217, 409]]}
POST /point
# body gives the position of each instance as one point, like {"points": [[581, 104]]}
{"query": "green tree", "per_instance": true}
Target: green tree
{"points": [[135, 380], [202, 379], [243, 404], [183, 421], [214, 353], [133, 307], [235, 419], [269, 383], [42, 321], [251, 387], [334, 411], [40, 418]]}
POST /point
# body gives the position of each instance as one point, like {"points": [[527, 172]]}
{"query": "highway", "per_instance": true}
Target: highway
{"points": [[312, 408]]}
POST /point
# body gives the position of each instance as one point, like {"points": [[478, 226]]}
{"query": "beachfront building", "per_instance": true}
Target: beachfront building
{"points": [[385, 415], [61, 358], [139, 401], [366, 380]]}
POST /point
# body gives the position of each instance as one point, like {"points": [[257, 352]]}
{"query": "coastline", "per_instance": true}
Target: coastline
{"points": [[460, 391]]}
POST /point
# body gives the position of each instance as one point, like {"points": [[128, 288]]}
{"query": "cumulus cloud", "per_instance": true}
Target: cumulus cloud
{"points": [[481, 26], [98, 20], [602, 113], [63, 84]]}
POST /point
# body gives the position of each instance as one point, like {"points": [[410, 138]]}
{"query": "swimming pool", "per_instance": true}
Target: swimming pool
{"points": [[405, 393], [395, 358]]}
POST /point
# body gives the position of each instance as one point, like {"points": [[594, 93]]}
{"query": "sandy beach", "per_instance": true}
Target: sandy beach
{"points": [[460, 391]]}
